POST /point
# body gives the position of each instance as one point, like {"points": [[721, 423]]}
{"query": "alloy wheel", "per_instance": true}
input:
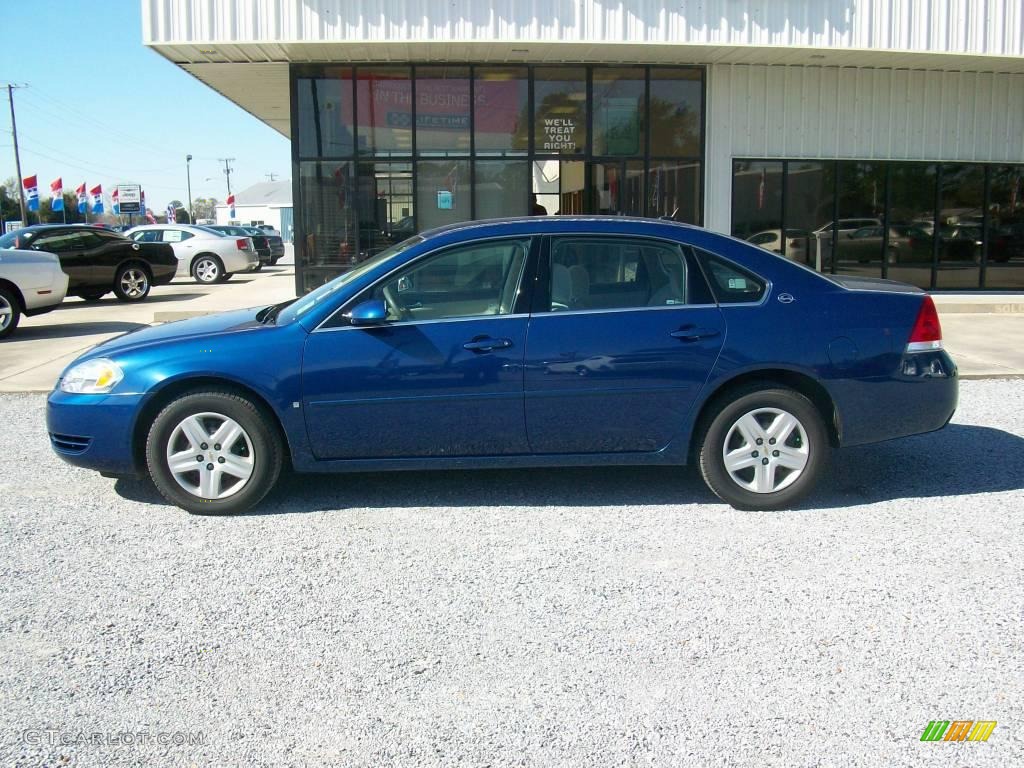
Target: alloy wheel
{"points": [[134, 283], [6, 312], [207, 270], [766, 450], [210, 455]]}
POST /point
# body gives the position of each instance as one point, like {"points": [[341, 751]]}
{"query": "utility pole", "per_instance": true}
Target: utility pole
{"points": [[188, 176], [227, 170], [17, 156], [271, 176]]}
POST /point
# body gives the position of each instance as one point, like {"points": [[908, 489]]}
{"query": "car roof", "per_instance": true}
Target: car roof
{"points": [[50, 227], [560, 224]]}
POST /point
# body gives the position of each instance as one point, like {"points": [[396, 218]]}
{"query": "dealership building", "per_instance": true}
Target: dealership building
{"points": [[873, 137]]}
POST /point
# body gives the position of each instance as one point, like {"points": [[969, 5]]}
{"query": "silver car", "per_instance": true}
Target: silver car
{"points": [[206, 255]]}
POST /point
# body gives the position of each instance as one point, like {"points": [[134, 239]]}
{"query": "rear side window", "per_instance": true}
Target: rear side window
{"points": [[176, 235], [732, 284], [621, 273], [60, 242]]}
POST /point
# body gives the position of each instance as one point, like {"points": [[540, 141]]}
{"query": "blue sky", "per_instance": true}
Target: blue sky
{"points": [[102, 108]]}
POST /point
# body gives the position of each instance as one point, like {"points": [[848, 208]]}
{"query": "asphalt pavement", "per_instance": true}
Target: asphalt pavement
{"points": [[610, 616]]}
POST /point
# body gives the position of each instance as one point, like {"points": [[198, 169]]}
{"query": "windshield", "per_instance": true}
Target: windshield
{"points": [[16, 239], [325, 291]]}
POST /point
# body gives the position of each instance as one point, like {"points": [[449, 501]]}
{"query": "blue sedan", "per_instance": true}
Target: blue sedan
{"points": [[520, 343]]}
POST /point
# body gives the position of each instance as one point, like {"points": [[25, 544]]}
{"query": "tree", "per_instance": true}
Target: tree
{"points": [[181, 216], [10, 209], [50, 216], [205, 207]]}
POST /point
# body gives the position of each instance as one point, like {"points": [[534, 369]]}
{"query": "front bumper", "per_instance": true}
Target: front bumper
{"points": [[93, 431]]}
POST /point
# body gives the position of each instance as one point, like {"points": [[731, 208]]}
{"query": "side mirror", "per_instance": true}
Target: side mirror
{"points": [[369, 312]]}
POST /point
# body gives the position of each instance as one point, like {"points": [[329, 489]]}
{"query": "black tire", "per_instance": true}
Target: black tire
{"points": [[265, 455], [93, 295], [132, 282], [226, 276], [258, 267], [10, 308], [813, 442], [274, 260], [208, 269]]}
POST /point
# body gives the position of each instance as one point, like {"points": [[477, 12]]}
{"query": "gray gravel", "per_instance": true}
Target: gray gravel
{"points": [[573, 617]]}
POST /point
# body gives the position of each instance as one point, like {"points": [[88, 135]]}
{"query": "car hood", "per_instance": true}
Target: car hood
{"points": [[207, 325]]}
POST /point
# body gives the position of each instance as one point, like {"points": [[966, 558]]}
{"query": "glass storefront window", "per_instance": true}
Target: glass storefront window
{"points": [[809, 192], [557, 188], [1005, 264], [442, 110], [757, 202], [384, 110], [911, 222], [385, 206], [327, 214], [618, 188], [619, 107], [386, 150], [501, 110], [443, 193], [676, 113], [560, 110], [673, 190], [326, 106], [502, 188], [860, 241], [961, 222]]}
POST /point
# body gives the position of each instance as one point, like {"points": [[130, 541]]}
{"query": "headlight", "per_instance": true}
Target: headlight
{"points": [[96, 376]]}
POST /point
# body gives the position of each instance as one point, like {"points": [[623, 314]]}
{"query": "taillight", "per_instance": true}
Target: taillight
{"points": [[242, 243], [927, 332]]}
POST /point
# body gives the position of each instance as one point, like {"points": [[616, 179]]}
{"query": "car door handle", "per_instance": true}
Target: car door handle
{"points": [[486, 345], [694, 334]]}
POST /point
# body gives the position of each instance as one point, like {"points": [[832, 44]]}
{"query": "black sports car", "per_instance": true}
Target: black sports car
{"points": [[98, 261]]}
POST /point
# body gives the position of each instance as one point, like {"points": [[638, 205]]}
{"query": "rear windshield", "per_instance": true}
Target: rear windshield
{"points": [[16, 239]]}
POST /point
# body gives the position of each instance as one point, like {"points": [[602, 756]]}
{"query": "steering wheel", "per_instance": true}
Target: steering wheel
{"points": [[393, 302]]}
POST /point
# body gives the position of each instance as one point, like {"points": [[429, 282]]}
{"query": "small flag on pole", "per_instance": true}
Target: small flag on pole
{"points": [[170, 214], [57, 194], [114, 204], [31, 192], [96, 193], [231, 206], [83, 199]]}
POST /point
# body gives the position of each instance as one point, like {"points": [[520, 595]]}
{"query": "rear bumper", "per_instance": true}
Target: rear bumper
{"points": [[163, 273], [240, 261], [921, 397], [93, 431]]}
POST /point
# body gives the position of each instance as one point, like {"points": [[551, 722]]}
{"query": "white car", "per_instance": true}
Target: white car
{"points": [[31, 283], [204, 254]]}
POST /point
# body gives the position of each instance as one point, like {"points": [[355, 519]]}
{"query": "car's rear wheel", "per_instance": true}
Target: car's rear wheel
{"points": [[10, 312], [208, 269], [131, 283], [213, 453], [764, 449], [258, 267]]}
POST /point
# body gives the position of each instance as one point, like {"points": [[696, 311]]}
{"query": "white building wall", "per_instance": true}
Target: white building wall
{"points": [[872, 114], [981, 27]]}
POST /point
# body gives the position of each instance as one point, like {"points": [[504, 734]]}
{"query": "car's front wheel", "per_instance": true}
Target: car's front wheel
{"points": [[10, 312], [131, 283], [213, 453], [764, 449], [208, 270]]}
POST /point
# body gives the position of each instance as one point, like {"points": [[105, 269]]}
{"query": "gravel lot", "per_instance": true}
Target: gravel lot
{"points": [[574, 617]]}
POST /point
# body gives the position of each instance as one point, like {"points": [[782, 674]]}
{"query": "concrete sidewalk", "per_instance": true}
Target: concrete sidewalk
{"points": [[983, 332]]}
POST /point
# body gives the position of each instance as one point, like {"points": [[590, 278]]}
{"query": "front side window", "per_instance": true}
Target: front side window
{"points": [[620, 273], [466, 281], [147, 236]]}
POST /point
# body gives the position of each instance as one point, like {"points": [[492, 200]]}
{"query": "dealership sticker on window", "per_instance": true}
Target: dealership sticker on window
{"points": [[445, 200], [737, 284]]}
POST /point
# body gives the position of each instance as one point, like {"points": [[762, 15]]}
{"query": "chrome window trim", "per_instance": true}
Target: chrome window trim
{"points": [[403, 323], [563, 313], [428, 254]]}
